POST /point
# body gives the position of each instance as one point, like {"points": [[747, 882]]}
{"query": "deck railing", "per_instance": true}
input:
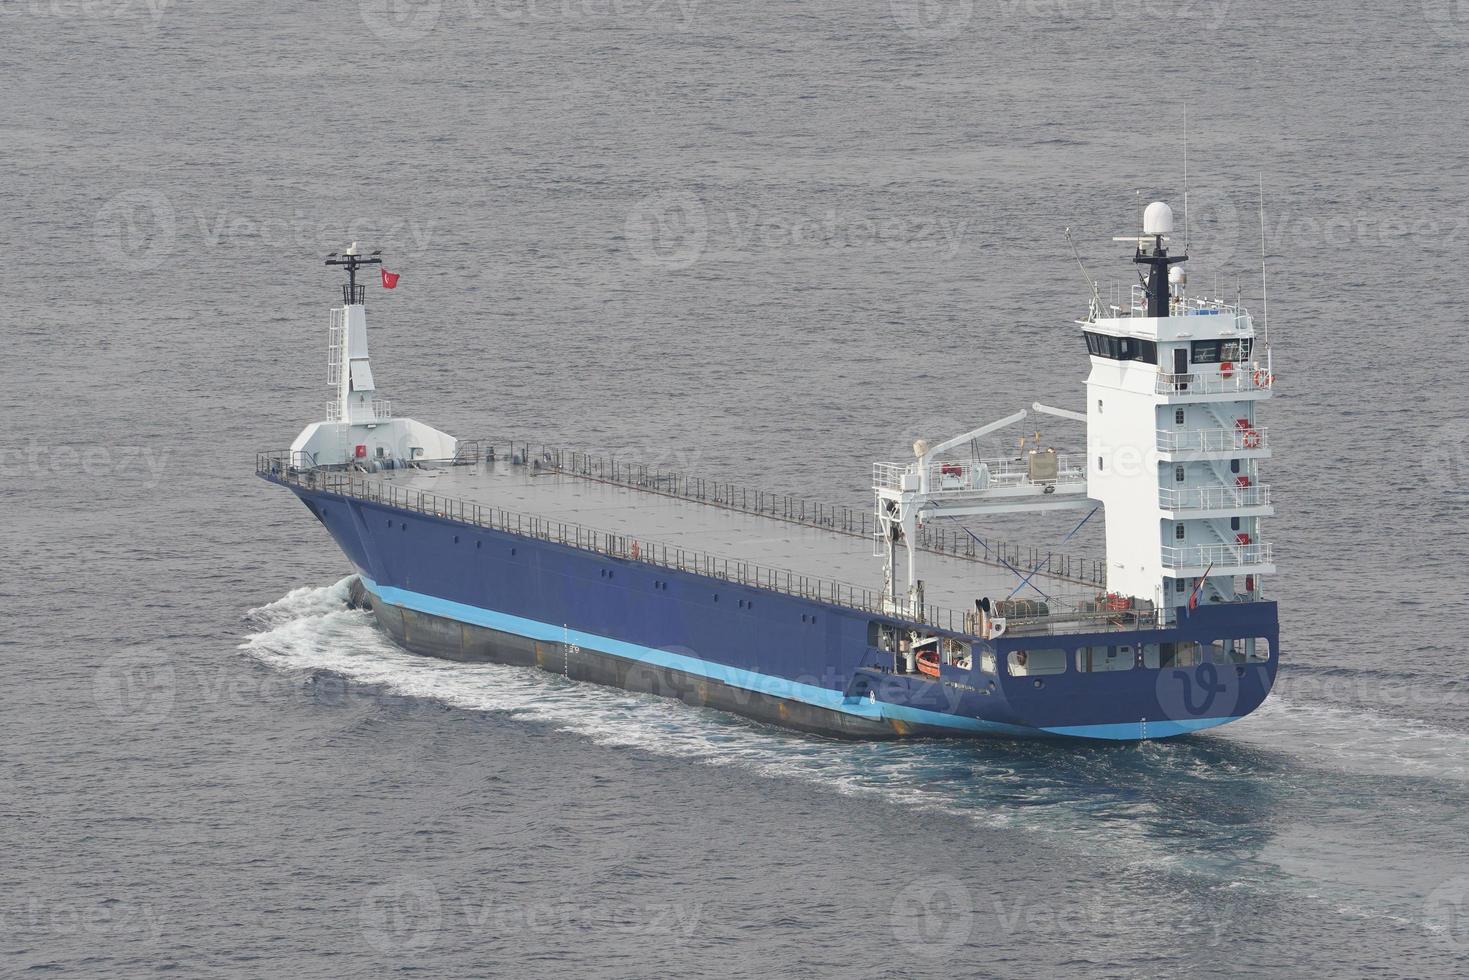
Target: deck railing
{"points": [[1232, 440], [1220, 556], [940, 539], [1213, 498], [281, 467], [1242, 379]]}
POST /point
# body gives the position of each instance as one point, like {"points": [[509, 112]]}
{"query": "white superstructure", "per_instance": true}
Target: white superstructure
{"points": [[360, 428], [1172, 451]]}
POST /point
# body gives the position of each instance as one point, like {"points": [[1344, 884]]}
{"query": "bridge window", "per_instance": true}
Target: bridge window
{"points": [[1214, 351], [1178, 531], [1030, 663], [1121, 348], [1178, 417]]}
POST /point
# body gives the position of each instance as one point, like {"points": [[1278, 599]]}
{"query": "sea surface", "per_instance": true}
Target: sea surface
{"points": [[762, 240]]}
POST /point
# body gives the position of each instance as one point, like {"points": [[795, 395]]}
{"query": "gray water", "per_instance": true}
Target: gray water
{"points": [[764, 240]]}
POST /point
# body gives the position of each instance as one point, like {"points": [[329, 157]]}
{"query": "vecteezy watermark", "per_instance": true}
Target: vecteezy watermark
{"points": [[136, 685], [1448, 18], [674, 229], [1208, 690], [400, 21], [933, 918], [405, 21], [1290, 230], [499, 917], [402, 916], [116, 464], [1444, 463], [142, 228], [944, 20], [135, 229], [1208, 13], [1062, 917], [1446, 912], [111, 11], [406, 916], [932, 20], [667, 229], [40, 918]]}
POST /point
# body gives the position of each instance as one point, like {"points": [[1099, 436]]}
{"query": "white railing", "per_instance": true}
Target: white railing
{"points": [[1244, 378], [1221, 556], [888, 476], [1213, 498], [1189, 306], [381, 409], [1212, 440], [984, 474]]}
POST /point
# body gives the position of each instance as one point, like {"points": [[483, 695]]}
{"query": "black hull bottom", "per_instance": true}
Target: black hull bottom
{"points": [[449, 639]]}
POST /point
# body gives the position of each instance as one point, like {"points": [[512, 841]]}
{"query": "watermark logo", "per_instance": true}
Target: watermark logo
{"points": [[933, 919], [111, 11], [135, 685], [1448, 18], [1207, 691], [1213, 222], [402, 916], [667, 230], [1446, 913], [135, 229], [1445, 461], [400, 21], [932, 20], [674, 229]]}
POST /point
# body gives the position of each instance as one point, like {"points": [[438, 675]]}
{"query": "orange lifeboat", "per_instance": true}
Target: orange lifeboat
{"points": [[928, 661]]}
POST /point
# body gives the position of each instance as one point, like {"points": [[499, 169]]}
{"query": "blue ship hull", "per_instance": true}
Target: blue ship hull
{"points": [[460, 591]]}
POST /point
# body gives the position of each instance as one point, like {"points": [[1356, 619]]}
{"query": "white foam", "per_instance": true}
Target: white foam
{"points": [[1356, 740]]}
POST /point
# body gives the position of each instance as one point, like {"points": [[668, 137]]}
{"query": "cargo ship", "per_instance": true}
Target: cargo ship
{"points": [[908, 619]]}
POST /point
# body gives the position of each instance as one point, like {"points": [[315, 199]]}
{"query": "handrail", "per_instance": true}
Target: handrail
{"points": [[1220, 556], [1213, 498], [1213, 440], [278, 466], [932, 538]]}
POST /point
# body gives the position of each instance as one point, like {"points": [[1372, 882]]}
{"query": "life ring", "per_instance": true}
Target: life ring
{"points": [[1252, 439], [1263, 378], [636, 551]]}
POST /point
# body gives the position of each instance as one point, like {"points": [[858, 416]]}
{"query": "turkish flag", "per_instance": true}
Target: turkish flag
{"points": [[390, 279]]}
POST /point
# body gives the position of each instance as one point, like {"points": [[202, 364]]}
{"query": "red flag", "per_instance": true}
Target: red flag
{"points": [[390, 279]]}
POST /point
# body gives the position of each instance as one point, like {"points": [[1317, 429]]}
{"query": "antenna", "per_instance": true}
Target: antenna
{"points": [[1097, 308], [1188, 232], [1264, 287]]}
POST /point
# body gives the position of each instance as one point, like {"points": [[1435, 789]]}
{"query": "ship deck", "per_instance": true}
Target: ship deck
{"points": [[952, 581]]}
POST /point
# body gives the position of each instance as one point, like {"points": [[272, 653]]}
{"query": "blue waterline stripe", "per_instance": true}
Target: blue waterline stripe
{"points": [[1163, 728], [749, 680]]}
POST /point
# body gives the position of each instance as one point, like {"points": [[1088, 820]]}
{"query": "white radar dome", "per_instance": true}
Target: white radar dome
{"points": [[1158, 219], [1177, 276], [920, 448]]}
